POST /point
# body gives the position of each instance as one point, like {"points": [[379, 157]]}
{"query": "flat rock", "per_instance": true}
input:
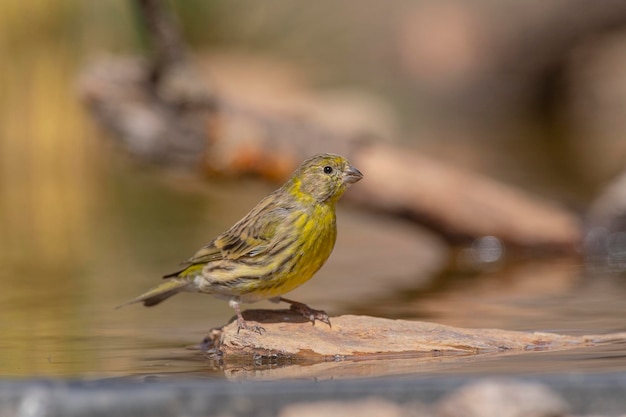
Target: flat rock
{"points": [[289, 336]]}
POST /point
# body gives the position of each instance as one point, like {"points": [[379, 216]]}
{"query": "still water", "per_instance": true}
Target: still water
{"points": [[57, 303]]}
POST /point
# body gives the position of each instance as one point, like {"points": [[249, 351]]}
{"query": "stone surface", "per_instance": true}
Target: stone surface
{"points": [[487, 398], [369, 407], [290, 335], [502, 398]]}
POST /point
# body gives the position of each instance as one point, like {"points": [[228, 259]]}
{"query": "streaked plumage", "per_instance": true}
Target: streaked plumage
{"points": [[280, 244]]}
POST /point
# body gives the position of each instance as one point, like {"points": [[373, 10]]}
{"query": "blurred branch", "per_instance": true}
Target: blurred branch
{"points": [[174, 78], [176, 121], [158, 110], [239, 140], [164, 33], [460, 204]]}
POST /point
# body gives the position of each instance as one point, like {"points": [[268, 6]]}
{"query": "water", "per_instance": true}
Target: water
{"points": [[81, 232], [58, 317]]}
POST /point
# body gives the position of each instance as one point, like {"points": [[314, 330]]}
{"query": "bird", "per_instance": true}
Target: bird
{"points": [[279, 245]]}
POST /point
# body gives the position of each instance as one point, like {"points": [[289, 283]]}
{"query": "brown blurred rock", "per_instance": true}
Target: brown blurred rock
{"points": [[371, 407], [489, 398], [497, 398]]}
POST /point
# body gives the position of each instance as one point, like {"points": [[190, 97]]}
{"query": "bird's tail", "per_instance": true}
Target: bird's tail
{"points": [[159, 293]]}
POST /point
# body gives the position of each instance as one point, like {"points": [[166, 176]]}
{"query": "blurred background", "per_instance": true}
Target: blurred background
{"points": [[525, 92]]}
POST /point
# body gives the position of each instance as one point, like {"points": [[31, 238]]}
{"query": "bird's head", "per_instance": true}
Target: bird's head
{"points": [[323, 177]]}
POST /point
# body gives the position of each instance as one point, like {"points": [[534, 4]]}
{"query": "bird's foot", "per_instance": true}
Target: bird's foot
{"points": [[308, 312], [242, 324]]}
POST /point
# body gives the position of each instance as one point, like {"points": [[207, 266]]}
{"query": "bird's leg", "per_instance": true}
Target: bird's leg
{"points": [[241, 323], [307, 311]]}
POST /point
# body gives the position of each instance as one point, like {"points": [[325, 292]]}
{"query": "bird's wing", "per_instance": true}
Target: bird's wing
{"points": [[252, 236], [205, 254], [249, 237]]}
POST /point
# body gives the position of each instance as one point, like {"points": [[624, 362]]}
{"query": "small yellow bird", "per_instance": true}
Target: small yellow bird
{"points": [[279, 245]]}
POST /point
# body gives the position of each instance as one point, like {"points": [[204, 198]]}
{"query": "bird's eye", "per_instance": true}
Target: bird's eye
{"points": [[328, 170]]}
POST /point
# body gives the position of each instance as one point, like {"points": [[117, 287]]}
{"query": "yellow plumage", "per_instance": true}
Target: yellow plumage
{"points": [[280, 244]]}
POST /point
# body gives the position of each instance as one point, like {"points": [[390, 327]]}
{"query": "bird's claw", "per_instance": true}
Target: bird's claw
{"points": [[242, 324], [311, 314]]}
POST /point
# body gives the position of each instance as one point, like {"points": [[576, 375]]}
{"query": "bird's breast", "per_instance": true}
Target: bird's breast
{"points": [[304, 246]]}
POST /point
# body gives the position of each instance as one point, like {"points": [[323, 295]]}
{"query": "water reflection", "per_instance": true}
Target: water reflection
{"points": [[554, 295], [606, 249], [603, 358]]}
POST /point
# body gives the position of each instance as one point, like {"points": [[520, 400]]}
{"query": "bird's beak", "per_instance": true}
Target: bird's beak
{"points": [[352, 175]]}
